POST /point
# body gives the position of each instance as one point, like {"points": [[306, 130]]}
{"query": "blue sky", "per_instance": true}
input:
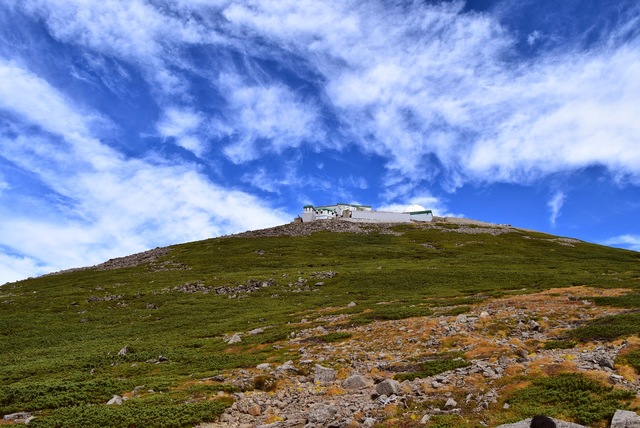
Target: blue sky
{"points": [[126, 125]]}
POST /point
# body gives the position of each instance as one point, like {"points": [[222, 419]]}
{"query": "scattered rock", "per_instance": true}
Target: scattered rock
{"points": [[355, 381], [352, 304], [324, 375], [625, 419], [287, 367], [605, 361], [534, 325], [234, 339], [20, 417], [117, 400], [388, 387], [450, 404], [125, 350], [254, 410], [321, 413]]}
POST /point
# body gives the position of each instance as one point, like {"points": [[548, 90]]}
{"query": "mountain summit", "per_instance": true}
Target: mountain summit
{"points": [[329, 324]]}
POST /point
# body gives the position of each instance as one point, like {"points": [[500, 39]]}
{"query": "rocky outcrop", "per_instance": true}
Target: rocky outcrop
{"points": [[355, 377], [18, 418], [145, 257], [625, 419]]}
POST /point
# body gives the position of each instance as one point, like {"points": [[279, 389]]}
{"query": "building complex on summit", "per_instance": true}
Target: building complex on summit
{"points": [[364, 213]]}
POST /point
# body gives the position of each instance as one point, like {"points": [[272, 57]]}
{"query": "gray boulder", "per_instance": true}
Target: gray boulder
{"points": [[355, 381], [234, 339], [18, 417], [625, 419], [287, 367], [324, 375], [388, 387], [321, 413], [117, 400], [450, 404]]}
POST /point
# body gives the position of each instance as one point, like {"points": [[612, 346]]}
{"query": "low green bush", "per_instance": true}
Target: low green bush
{"points": [[133, 414], [570, 396], [54, 394], [560, 344], [608, 328], [448, 421], [438, 364], [631, 358], [457, 310], [631, 301]]}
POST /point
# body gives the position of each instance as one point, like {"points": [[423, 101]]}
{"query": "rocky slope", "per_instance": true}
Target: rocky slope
{"points": [[350, 383]]}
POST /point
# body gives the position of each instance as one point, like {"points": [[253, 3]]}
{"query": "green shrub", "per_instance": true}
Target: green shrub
{"points": [[52, 394], [133, 414], [438, 364], [631, 301], [457, 310], [608, 328], [570, 396], [631, 358], [560, 344], [448, 421]]}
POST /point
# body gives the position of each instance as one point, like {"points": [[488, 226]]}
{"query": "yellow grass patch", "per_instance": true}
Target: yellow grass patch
{"points": [[627, 372]]}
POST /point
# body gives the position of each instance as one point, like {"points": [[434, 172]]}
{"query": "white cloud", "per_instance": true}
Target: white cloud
{"points": [[569, 115], [430, 80], [183, 125], [266, 118], [533, 37], [14, 268], [135, 31], [555, 205], [113, 206], [631, 242], [412, 83], [436, 205]]}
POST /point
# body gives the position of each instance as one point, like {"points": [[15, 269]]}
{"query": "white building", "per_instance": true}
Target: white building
{"points": [[364, 213]]}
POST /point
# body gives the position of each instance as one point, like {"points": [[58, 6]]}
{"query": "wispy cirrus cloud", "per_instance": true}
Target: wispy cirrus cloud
{"points": [[108, 205], [631, 242], [555, 206], [431, 87], [183, 125], [265, 118]]}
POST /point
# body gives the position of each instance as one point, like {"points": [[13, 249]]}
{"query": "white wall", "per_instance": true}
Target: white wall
{"points": [[382, 216]]}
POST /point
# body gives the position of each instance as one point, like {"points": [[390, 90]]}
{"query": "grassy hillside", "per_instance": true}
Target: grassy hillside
{"points": [[60, 335]]}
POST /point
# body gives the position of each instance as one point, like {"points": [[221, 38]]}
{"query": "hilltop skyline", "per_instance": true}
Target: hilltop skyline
{"points": [[130, 125]]}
